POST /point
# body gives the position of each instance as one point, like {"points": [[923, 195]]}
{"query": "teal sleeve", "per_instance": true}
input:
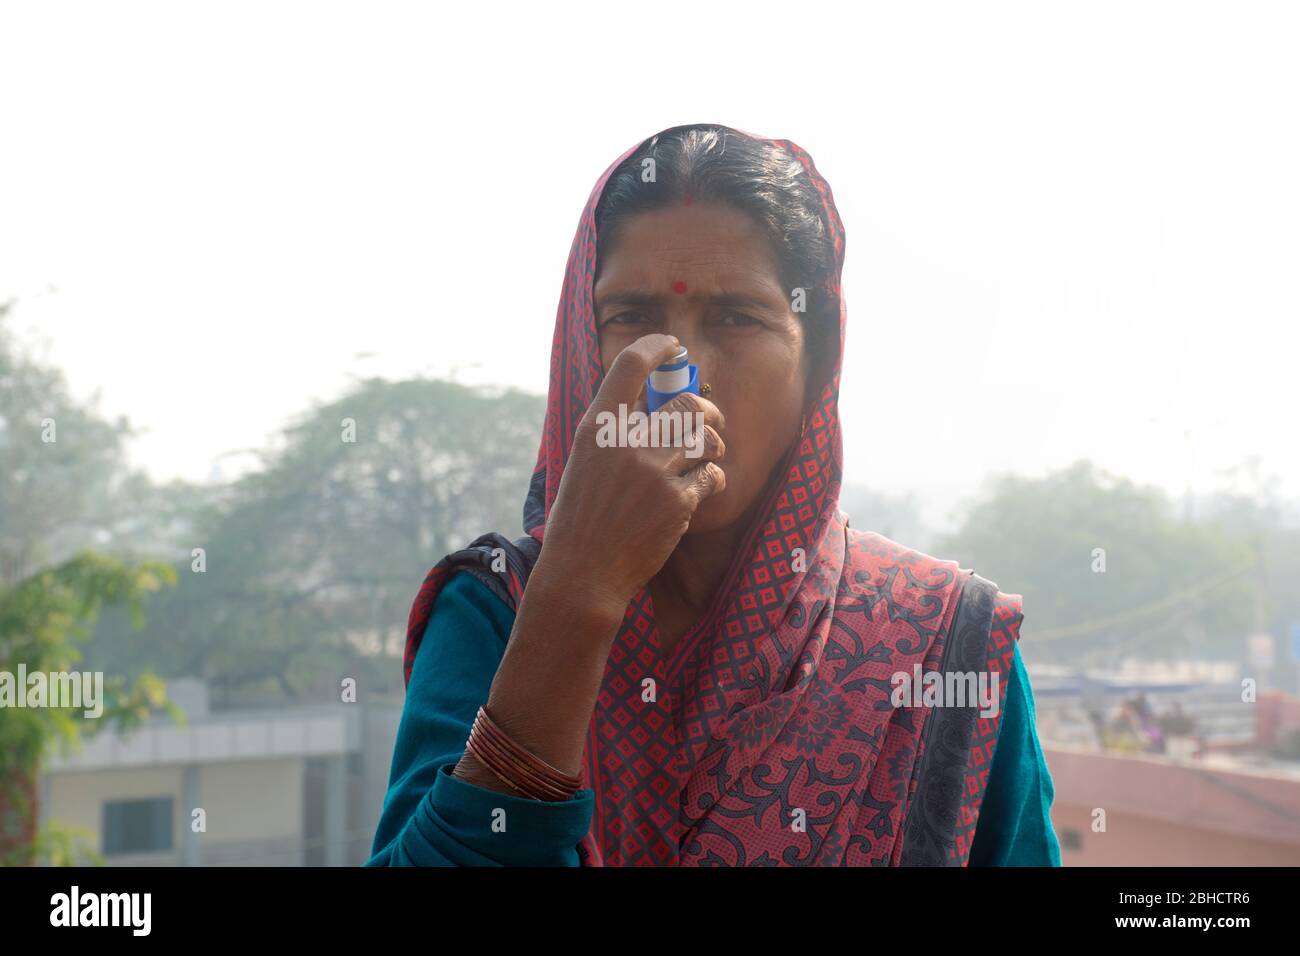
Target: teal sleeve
{"points": [[1015, 821], [432, 818]]}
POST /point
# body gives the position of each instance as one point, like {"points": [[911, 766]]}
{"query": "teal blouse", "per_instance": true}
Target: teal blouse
{"points": [[432, 818]]}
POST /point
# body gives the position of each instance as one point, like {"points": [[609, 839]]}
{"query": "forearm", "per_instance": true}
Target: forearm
{"points": [[545, 689], [431, 817]]}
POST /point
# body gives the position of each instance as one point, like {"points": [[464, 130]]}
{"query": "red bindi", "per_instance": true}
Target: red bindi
{"points": [[686, 200], [679, 286]]}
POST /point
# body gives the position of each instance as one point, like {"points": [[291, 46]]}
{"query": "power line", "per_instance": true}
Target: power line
{"points": [[1124, 617]]}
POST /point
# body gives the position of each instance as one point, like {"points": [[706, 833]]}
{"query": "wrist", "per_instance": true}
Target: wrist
{"points": [[557, 591], [470, 769]]}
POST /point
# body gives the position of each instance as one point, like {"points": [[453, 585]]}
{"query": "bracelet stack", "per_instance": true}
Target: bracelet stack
{"points": [[515, 766]]}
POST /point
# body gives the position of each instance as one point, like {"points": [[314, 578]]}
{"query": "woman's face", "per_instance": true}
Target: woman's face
{"points": [[707, 274]]}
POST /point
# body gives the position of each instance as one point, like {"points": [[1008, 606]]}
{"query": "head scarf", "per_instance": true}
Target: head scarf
{"points": [[770, 737]]}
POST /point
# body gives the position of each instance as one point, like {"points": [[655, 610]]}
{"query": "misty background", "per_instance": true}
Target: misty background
{"points": [[223, 232]]}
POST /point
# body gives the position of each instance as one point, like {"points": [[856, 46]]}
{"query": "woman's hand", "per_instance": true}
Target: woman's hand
{"points": [[617, 516], [619, 512]]}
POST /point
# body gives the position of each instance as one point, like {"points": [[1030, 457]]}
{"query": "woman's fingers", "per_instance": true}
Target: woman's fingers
{"points": [[702, 481], [697, 423], [704, 445], [681, 432], [688, 403]]}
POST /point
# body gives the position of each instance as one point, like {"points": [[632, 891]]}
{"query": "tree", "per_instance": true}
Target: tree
{"points": [[61, 464], [61, 469], [897, 517], [309, 564], [42, 620], [1107, 570]]}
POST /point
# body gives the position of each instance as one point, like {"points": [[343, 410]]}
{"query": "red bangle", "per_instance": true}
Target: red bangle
{"points": [[529, 768], [511, 768], [516, 767]]}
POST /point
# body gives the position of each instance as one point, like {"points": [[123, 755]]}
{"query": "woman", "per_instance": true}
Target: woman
{"points": [[702, 666]]}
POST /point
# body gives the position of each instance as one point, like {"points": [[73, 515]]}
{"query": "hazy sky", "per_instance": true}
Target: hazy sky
{"points": [[1071, 231]]}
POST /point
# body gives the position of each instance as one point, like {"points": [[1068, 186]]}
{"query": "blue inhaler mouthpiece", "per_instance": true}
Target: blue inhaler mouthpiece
{"points": [[671, 379]]}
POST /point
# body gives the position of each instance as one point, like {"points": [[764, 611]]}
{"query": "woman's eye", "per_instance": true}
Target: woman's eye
{"points": [[627, 318], [738, 318]]}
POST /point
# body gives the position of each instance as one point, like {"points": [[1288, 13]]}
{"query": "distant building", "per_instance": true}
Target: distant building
{"points": [[290, 786], [1164, 811], [303, 786], [1217, 796]]}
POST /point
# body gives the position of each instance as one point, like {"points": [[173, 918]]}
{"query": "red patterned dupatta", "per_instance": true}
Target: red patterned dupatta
{"points": [[771, 739]]}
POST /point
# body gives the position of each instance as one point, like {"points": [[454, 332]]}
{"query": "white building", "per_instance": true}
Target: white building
{"points": [[291, 786]]}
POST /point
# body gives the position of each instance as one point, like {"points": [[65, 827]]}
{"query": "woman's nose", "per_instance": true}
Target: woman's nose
{"points": [[687, 331], [691, 334]]}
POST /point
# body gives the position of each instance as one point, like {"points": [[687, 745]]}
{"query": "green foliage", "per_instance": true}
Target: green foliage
{"points": [[61, 482], [43, 619], [1166, 581], [59, 845], [313, 559]]}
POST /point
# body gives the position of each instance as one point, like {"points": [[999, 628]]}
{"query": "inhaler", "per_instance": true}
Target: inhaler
{"points": [[669, 380]]}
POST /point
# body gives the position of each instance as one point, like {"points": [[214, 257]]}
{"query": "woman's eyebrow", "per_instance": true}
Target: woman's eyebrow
{"points": [[644, 297], [629, 297]]}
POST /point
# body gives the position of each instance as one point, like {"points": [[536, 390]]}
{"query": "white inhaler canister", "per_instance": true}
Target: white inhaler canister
{"points": [[675, 376]]}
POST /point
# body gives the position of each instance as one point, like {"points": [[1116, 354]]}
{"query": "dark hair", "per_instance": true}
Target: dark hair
{"points": [[717, 163]]}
